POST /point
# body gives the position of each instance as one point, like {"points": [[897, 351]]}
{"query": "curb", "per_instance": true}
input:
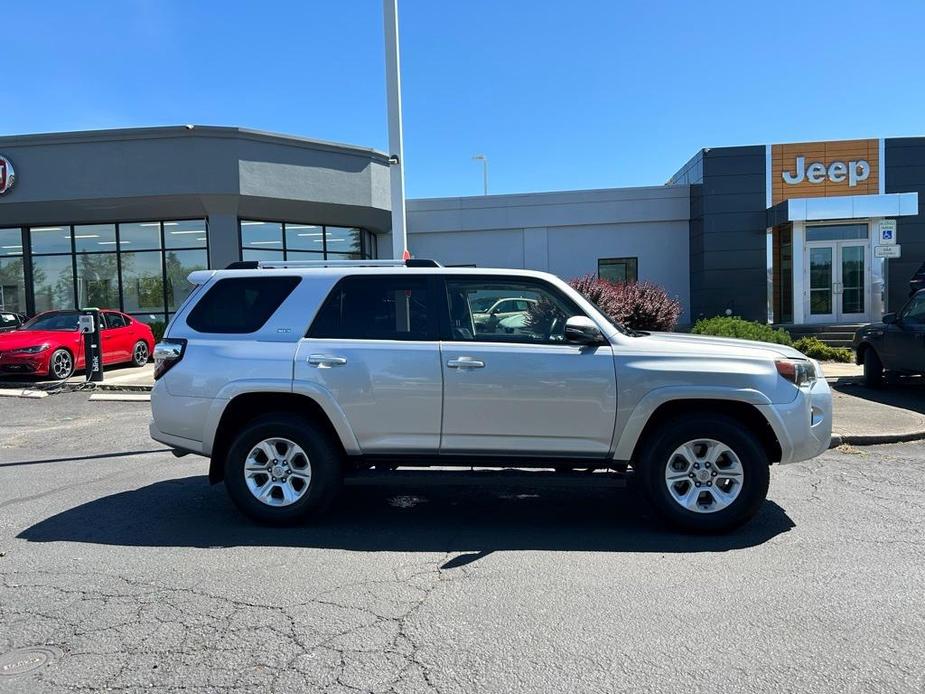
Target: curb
{"points": [[22, 393], [874, 439]]}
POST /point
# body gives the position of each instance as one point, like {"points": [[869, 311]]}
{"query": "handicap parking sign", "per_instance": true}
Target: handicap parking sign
{"points": [[887, 232]]}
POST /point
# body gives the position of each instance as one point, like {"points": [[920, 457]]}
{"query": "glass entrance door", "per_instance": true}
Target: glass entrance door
{"points": [[837, 282]]}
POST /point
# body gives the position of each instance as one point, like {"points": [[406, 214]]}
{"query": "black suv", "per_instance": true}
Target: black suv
{"points": [[918, 280], [896, 344]]}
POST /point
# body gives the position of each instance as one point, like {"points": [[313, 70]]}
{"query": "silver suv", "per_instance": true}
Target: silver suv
{"points": [[290, 376]]}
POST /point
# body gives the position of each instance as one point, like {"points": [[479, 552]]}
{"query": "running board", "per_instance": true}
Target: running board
{"points": [[460, 477]]}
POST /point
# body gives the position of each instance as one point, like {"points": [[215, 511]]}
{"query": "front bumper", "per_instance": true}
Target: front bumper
{"points": [[804, 426], [11, 362]]}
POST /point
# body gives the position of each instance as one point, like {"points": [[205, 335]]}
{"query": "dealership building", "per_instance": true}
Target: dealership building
{"points": [[821, 232]]}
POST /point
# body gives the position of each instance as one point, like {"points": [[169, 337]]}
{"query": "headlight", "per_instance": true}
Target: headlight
{"points": [[29, 350], [798, 371]]}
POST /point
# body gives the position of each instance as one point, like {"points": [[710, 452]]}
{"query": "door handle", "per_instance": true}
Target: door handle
{"points": [[466, 363], [326, 361]]}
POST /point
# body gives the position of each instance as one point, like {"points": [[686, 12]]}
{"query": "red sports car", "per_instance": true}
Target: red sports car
{"points": [[49, 344]]}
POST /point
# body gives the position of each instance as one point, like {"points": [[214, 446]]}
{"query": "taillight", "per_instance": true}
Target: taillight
{"points": [[167, 353]]}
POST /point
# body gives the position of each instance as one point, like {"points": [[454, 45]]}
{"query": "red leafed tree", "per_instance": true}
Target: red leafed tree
{"points": [[637, 305]]}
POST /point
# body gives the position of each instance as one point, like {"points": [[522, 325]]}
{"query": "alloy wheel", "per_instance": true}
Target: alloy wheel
{"points": [[277, 472], [141, 354], [61, 364], [704, 476]]}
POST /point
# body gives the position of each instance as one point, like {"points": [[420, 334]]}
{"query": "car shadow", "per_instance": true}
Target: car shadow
{"points": [[907, 392], [187, 512]]}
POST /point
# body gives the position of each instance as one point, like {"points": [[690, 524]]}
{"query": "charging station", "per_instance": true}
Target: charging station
{"points": [[89, 326]]}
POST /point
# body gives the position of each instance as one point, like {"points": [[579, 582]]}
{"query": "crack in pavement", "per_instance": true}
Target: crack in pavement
{"points": [[122, 634]]}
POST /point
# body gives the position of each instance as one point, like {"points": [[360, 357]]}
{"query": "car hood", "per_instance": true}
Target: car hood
{"points": [[716, 346], [28, 338]]}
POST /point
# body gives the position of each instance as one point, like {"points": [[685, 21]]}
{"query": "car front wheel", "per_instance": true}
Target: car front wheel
{"points": [[61, 364], [873, 368], [282, 469], [705, 473]]}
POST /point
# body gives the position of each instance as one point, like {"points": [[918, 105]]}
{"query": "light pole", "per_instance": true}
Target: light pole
{"points": [[482, 158], [396, 145]]}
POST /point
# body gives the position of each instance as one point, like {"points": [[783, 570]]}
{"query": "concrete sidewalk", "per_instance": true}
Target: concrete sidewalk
{"points": [[866, 416]]}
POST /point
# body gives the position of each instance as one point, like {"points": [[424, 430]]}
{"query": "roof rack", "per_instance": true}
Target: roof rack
{"points": [[269, 264]]}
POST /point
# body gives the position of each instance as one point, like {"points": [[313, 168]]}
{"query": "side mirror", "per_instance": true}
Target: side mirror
{"points": [[889, 318], [582, 330]]}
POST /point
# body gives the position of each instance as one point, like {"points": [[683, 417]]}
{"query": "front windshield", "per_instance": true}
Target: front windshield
{"points": [[64, 320]]}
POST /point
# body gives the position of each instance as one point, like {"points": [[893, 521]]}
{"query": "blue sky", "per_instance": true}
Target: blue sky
{"points": [[558, 95]]}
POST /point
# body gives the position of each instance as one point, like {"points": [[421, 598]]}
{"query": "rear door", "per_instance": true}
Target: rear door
{"points": [[373, 346], [518, 387]]}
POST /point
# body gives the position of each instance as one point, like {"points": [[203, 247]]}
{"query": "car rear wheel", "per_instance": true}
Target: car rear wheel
{"points": [[140, 353], [873, 368], [61, 364], [282, 469], [705, 473]]}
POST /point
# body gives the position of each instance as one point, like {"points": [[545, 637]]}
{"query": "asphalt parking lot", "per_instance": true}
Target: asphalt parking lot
{"points": [[133, 574]]}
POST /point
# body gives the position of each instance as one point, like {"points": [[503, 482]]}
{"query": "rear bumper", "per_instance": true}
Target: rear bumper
{"points": [[177, 442], [803, 427]]}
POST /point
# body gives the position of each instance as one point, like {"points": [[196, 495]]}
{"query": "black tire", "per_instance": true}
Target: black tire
{"points": [[657, 455], [873, 368], [61, 364], [324, 458], [140, 353]]}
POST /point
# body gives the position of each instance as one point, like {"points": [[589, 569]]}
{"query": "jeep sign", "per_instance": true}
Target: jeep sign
{"points": [[837, 172], [7, 175]]}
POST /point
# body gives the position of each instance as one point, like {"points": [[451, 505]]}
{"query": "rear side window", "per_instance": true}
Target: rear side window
{"points": [[377, 308], [240, 304]]}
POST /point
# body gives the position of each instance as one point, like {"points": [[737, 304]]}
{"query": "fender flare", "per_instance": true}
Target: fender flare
{"points": [[319, 395], [636, 420]]}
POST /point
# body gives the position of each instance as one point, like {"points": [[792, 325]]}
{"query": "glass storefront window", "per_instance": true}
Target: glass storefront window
{"points": [[12, 285], [836, 232], [142, 282], [151, 282], [179, 265], [51, 239], [140, 236], [304, 237], [257, 254], [340, 241], [262, 235], [53, 282], [303, 241], [11, 241], [618, 269], [189, 234], [97, 280], [94, 238]]}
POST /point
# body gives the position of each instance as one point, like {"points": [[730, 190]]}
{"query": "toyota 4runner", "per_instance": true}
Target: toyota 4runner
{"points": [[289, 376]]}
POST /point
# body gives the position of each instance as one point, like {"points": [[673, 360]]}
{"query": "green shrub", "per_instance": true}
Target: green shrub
{"points": [[814, 348], [732, 326], [158, 327]]}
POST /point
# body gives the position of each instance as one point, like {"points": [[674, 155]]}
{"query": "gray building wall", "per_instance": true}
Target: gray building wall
{"points": [[193, 172], [905, 173], [728, 244], [564, 233]]}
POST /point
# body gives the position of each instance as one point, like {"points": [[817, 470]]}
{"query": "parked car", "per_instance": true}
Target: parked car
{"points": [[49, 344], [896, 344], [11, 321], [509, 307], [289, 376], [918, 280]]}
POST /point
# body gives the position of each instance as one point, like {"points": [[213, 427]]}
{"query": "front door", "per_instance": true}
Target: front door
{"points": [[837, 281], [515, 386]]}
